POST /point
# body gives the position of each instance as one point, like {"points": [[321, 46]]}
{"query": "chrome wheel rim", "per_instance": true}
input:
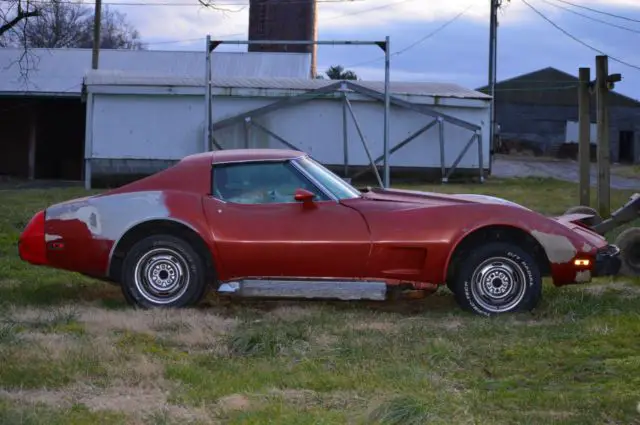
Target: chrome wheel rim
{"points": [[498, 284], [162, 276]]}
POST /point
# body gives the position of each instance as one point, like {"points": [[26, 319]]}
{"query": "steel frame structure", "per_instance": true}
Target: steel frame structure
{"points": [[344, 87], [211, 45]]}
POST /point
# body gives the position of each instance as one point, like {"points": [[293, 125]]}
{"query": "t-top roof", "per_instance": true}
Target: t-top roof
{"points": [[61, 71], [239, 155]]}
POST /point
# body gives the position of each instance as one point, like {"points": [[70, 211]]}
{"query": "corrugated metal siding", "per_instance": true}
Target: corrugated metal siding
{"points": [[545, 126], [129, 127], [397, 88], [63, 70], [550, 87], [426, 89]]}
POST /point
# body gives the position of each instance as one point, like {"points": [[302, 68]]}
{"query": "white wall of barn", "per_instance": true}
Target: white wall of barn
{"points": [[169, 127]]}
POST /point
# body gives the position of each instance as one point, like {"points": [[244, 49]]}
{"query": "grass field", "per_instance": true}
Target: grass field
{"points": [[71, 352], [631, 171]]}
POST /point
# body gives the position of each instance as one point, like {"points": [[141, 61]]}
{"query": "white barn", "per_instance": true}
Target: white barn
{"points": [[42, 98], [140, 117]]}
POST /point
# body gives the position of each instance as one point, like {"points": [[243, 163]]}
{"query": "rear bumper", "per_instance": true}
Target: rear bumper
{"points": [[607, 261]]}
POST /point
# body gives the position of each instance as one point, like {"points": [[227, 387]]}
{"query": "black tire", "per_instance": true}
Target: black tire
{"points": [[170, 261], [582, 209], [504, 263], [629, 243]]}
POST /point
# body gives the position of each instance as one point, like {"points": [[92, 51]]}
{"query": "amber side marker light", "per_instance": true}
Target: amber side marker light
{"points": [[582, 262]]}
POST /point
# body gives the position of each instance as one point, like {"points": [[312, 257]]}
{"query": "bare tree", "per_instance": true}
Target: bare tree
{"points": [[12, 14], [58, 25], [115, 32], [63, 24]]}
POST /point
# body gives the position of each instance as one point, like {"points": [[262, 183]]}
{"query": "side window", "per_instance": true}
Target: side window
{"points": [[260, 183]]}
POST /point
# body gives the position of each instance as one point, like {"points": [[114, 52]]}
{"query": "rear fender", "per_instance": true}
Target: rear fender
{"points": [[91, 227]]}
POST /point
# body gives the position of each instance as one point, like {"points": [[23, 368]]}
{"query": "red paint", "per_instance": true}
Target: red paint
{"points": [[330, 240], [31, 245], [398, 236]]}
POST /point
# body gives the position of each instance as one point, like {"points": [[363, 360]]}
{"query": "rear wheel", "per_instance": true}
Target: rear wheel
{"points": [[163, 271], [497, 278]]}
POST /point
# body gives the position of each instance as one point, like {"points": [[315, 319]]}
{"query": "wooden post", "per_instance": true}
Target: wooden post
{"points": [[602, 75], [584, 135], [97, 20], [33, 134]]}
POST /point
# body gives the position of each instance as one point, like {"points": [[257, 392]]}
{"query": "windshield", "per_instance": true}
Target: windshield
{"points": [[340, 188]]}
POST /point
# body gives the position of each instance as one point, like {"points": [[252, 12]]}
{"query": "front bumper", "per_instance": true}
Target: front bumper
{"points": [[607, 261]]}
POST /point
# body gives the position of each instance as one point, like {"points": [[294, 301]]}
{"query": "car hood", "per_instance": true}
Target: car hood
{"points": [[434, 199]]}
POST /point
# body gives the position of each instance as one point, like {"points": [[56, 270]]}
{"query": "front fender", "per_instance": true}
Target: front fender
{"points": [[560, 243]]}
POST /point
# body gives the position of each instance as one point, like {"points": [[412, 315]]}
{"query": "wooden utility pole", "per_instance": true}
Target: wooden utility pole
{"points": [[493, 38], [97, 19], [604, 155], [584, 135]]}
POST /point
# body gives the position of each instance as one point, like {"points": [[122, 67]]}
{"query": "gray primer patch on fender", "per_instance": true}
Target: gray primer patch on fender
{"points": [[89, 215], [109, 217], [587, 248], [559, 248]]}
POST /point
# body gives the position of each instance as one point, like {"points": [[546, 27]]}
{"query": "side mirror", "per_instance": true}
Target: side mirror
{"points": [[303, 195]]}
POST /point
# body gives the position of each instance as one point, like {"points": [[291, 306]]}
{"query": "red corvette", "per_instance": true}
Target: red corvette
{"points": [[276, 223]]}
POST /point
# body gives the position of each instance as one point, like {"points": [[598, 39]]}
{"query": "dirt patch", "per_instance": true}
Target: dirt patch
{"points": [[53, 346], [291, 312], [325, 341], [450, 324], [137, 402], [39, 316], [234, 402], [189, 328], [153, 321], [304, 398], [376, 326], [624, 288], [126, 399], [138, 370], [600, 329]]}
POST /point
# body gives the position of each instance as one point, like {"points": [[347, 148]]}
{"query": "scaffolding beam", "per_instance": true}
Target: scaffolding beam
{"points": [[364, 142], [349, 86], [402, 144], [286, 102], [384, 45], [274, 135], [422, 109]]}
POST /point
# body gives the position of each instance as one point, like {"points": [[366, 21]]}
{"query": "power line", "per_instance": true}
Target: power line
{"points": [[195, 3], [371, 9], [622, 27], [331, 18], [420, 40], [626, 18], [576, 39], [189, 40]]}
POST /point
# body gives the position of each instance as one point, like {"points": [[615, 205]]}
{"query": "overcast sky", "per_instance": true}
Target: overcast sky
{"points": [[457, 53]]}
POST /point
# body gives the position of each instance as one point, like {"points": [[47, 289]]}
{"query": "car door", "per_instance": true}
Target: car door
{"points": [[260, 230]]}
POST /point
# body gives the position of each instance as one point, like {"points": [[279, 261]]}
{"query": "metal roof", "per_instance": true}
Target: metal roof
{"points": [[118, 78], [61, 71]]}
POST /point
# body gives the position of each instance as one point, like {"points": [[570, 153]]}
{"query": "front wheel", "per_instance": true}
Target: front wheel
{"points": [[498, 278], [163, 271]]}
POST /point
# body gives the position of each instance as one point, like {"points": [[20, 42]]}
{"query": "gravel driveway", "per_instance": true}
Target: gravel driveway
{"points": [[562, 170]]}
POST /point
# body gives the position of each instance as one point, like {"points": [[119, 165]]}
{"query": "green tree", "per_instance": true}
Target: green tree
{"points": [[337, 72]]}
